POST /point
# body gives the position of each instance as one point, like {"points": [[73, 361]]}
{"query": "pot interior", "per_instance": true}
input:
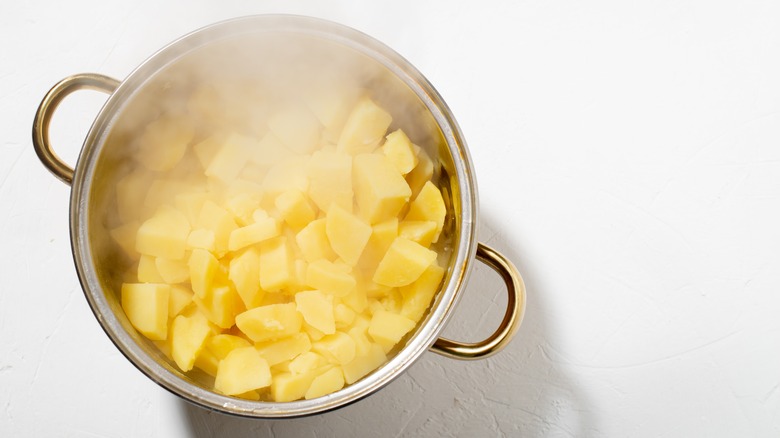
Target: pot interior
{"points": [[230, 78]]}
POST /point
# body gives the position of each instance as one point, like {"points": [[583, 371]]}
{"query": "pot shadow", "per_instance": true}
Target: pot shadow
{"points": [[518, 392]]}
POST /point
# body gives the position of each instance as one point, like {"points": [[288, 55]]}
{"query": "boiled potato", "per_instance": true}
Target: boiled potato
{"points": [[295, 260]]}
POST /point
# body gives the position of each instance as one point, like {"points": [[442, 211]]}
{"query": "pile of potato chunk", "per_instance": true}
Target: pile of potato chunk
{"points": [[284, 265]]}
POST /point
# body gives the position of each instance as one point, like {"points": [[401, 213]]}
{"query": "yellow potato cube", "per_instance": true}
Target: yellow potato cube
{"points": [[404, 262], [388, 328], [254, 233], [287, 387], [249, 395], [398, 150], [203, 268], [242, 205], [418, 295], [245, 274], [288, 174], [331, 105], [338, 348], [362, 365], [297, 128], [190, 203], [421, 232], [164, 234], [279, 351], [294, 209], [242, 370], [380, 191], [428, 206], [357, 300], [330, 176], [207, 149], [267, 152], [147, 270], [421, 174], [228, 161], [207, 362], [188, 334], [270, 322], [317, 310], [326, 383], [313, 242], [329, 277], [359, 333], [200, 238], [172, 271], [382, 236], [180, 297], [343, 316], [220, 305], [305, 362], [220, 222], [364, 128], [164, 142], [124, 236], [346, 233], [393, 301], [146, 306], [276, 268]]}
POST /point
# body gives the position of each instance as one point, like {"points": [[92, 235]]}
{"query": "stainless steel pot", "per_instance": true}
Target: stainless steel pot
{"points": [[103, 154]]}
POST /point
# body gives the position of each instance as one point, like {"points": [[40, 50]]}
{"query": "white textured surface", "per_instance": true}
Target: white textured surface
{"points": [[628, 158]]}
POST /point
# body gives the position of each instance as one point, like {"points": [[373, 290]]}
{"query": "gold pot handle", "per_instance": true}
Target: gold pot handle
{"points": [[50, 102], [515, 308]]}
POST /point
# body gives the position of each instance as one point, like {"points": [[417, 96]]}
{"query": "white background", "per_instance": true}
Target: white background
{"points": [[628, 159]]}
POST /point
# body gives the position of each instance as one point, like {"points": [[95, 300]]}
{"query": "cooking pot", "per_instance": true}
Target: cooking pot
{"points": [[223, 47]]}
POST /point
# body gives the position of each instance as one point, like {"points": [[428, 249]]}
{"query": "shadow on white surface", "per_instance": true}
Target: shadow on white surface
{"points": [[518, 392]]}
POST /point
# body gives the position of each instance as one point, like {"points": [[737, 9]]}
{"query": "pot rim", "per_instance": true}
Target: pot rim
{"points": [[465, 239]]}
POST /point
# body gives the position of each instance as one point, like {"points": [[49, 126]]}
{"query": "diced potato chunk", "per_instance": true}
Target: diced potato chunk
{"points": [[270, 322], [346, 233], [317, 310], [380, 191], [404, 262], [364, 129], [276, 352], [306, 362], [418, 295], [146, 306], [200, 238], [164, 234], [147, 270], [124, 236], [294, 209], [221, 345], [172, 271], [421, 232], [164, 142], [428, 206], [203, 268], [330, 176], [362, 365], [242, 370], [180, 297], [388, 328], [276, 267], [220, 305], [220, 221], [228, 161], [398, 150], [288, 387], [326, 383], [313, 242], [254, 233], [188, 334], [338, 348], [245, 275], [382, 236], [421, 174], [297, 128], [329, 277]]}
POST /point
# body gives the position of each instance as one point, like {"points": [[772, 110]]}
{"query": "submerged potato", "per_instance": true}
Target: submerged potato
{"points": [[295, 260]]}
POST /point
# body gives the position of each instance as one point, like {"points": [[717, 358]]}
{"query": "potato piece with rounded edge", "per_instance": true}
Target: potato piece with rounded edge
{"points": [[287, 387], [172, 271], [200, 238], [164, 142], [244, 272], [421, 232], [346, 233], [276, 264], [270, 322], [180, 297], [380, 191], [227, 162], [146, 306], [382, 236], [389, 328], [317, 310], [297, 128], [203, 267], [164, 234], [421, 174], [399, 151], [147, 270], [305, 362], [222, 344], [242, 370], [330, 176], [404, 262], [417, 297], [294, 208], [338, 348], [220, 222], [188, 334], [328, 382], [253, 233], [366, 124], [220, 305]]}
